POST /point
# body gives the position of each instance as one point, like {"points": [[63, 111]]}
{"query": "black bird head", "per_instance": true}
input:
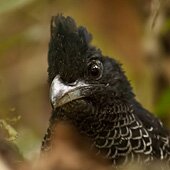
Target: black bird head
{"points": [[79, 75]]}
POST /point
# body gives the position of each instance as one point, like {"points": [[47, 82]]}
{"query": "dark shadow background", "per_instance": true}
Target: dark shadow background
{"points": [[135, 32]]}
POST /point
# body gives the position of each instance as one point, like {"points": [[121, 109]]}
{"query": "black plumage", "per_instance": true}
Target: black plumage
{"points": [[91, 91]]}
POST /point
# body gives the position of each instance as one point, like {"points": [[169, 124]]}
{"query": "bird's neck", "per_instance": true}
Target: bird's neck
{"points": [[98, 123], [103, 118]]}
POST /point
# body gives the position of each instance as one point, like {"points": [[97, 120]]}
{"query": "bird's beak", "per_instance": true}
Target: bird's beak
{"points": [[61, 94]]}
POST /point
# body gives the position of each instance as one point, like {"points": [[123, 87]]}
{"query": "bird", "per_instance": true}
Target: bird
{"points": [[92, 91]]}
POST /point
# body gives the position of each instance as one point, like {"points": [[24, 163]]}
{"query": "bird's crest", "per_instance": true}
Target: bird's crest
{"points": [[66, 26], [68, 45]]}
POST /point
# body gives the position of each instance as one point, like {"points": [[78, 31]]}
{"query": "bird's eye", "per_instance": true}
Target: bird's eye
{"points": [[95, 69]]}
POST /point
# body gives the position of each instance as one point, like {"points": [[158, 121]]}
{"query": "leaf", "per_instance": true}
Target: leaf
{"points": [[11, 131]]}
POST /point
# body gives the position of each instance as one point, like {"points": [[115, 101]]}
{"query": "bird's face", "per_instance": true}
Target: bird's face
{"points": [[80, 77], [76, 83]]}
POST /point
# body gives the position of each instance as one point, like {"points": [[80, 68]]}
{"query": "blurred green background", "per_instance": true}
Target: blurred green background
{"points": [[135, 32]]}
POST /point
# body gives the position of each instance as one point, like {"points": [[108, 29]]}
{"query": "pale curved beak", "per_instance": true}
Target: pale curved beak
{"points": [[61, 94]]}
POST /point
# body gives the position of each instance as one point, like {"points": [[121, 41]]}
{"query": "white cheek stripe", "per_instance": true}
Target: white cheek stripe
{"points": [[59, 89]]}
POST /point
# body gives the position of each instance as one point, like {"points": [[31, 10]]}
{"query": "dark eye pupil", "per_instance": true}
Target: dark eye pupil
{"points": [[95, 70]]}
